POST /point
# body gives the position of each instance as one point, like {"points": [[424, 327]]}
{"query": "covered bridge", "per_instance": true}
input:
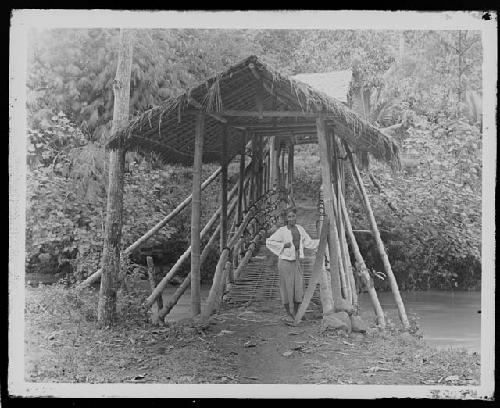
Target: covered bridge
{"points": [[251, 109]]}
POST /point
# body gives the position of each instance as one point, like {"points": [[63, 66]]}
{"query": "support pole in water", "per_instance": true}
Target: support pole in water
{"points": [[380, 244]]}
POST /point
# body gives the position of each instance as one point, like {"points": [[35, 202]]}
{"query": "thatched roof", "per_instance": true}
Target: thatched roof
{"points": [[335, 84], [169, 129]]}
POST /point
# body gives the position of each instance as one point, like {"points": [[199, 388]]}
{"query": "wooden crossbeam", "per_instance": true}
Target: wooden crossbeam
{"points": [[199, 106], [256, 114], [266, 114], [260, 126]]}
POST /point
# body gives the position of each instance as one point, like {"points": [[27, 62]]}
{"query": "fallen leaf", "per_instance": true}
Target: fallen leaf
{"points": [[222, 332], [375, 369], [250, 378], [287, 353]]}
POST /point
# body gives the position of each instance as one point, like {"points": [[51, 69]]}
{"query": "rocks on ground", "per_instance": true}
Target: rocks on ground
{"points": [[336, 321]]}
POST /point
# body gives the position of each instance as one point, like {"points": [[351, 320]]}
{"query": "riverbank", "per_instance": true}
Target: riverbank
{"points": [[238, 346]]}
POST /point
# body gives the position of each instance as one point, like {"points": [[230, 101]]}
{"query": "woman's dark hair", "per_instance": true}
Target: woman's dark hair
{"points": [[285, 212]]}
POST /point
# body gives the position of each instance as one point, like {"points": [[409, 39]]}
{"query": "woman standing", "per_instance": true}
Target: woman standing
{"points": [[288, 243]]}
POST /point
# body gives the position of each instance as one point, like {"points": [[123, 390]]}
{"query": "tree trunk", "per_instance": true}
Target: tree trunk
{"points": [[106, 310]]}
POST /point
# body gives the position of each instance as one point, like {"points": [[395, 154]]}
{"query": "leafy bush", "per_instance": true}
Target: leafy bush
{"points": [[433, 233], [307, 172], [67, 202], [436, 227]]}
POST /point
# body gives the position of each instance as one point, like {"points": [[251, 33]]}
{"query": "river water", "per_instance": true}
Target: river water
{"points": [[447, 319]]}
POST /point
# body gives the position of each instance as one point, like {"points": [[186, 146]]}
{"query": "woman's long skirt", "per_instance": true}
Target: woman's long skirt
{"points": [[291, 281]]}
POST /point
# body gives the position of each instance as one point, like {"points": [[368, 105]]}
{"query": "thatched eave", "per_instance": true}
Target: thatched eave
{"points": [[169, 128]]}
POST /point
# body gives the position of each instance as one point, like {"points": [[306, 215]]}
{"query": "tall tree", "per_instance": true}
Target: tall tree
{"points": [[106, 311]]}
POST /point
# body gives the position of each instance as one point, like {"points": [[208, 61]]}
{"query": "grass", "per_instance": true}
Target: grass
{"points": [[245, 345]]}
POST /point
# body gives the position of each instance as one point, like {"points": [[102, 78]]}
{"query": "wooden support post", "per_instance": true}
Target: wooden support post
{"points": [[172, 301], [361, 266], [344, 263], [222, 286], [333, 244], [264, 175], [344, 284], [271, 161], [217, 282], [351, 283], [260, 168], [282, 169], [241, 179], [187, 280], [155, 319], [97, 275], [380, 244], [223, 215], [163, 283], [276, 163], [196, 216], [253, 185], [246, 188], [319, 263], [325, 285], [291, 154], [269, 171]]}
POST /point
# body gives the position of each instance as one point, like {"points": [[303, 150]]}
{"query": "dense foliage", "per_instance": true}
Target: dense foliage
{"points": [[434, 216], [428, 81], [67, 202]]}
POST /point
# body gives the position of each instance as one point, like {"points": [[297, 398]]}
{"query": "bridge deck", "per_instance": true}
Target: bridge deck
{"points": [[259, 280]]}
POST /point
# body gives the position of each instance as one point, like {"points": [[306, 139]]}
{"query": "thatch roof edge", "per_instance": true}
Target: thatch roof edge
{"points": [[354, 130]]}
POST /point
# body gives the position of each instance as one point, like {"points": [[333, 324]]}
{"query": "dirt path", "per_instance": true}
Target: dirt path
{"points": [[239, 346], [264, 346]]}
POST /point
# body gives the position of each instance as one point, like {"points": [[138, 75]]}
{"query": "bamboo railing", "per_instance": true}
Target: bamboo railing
{"points": [[259, 232], [96, 275], [175, 269]]}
